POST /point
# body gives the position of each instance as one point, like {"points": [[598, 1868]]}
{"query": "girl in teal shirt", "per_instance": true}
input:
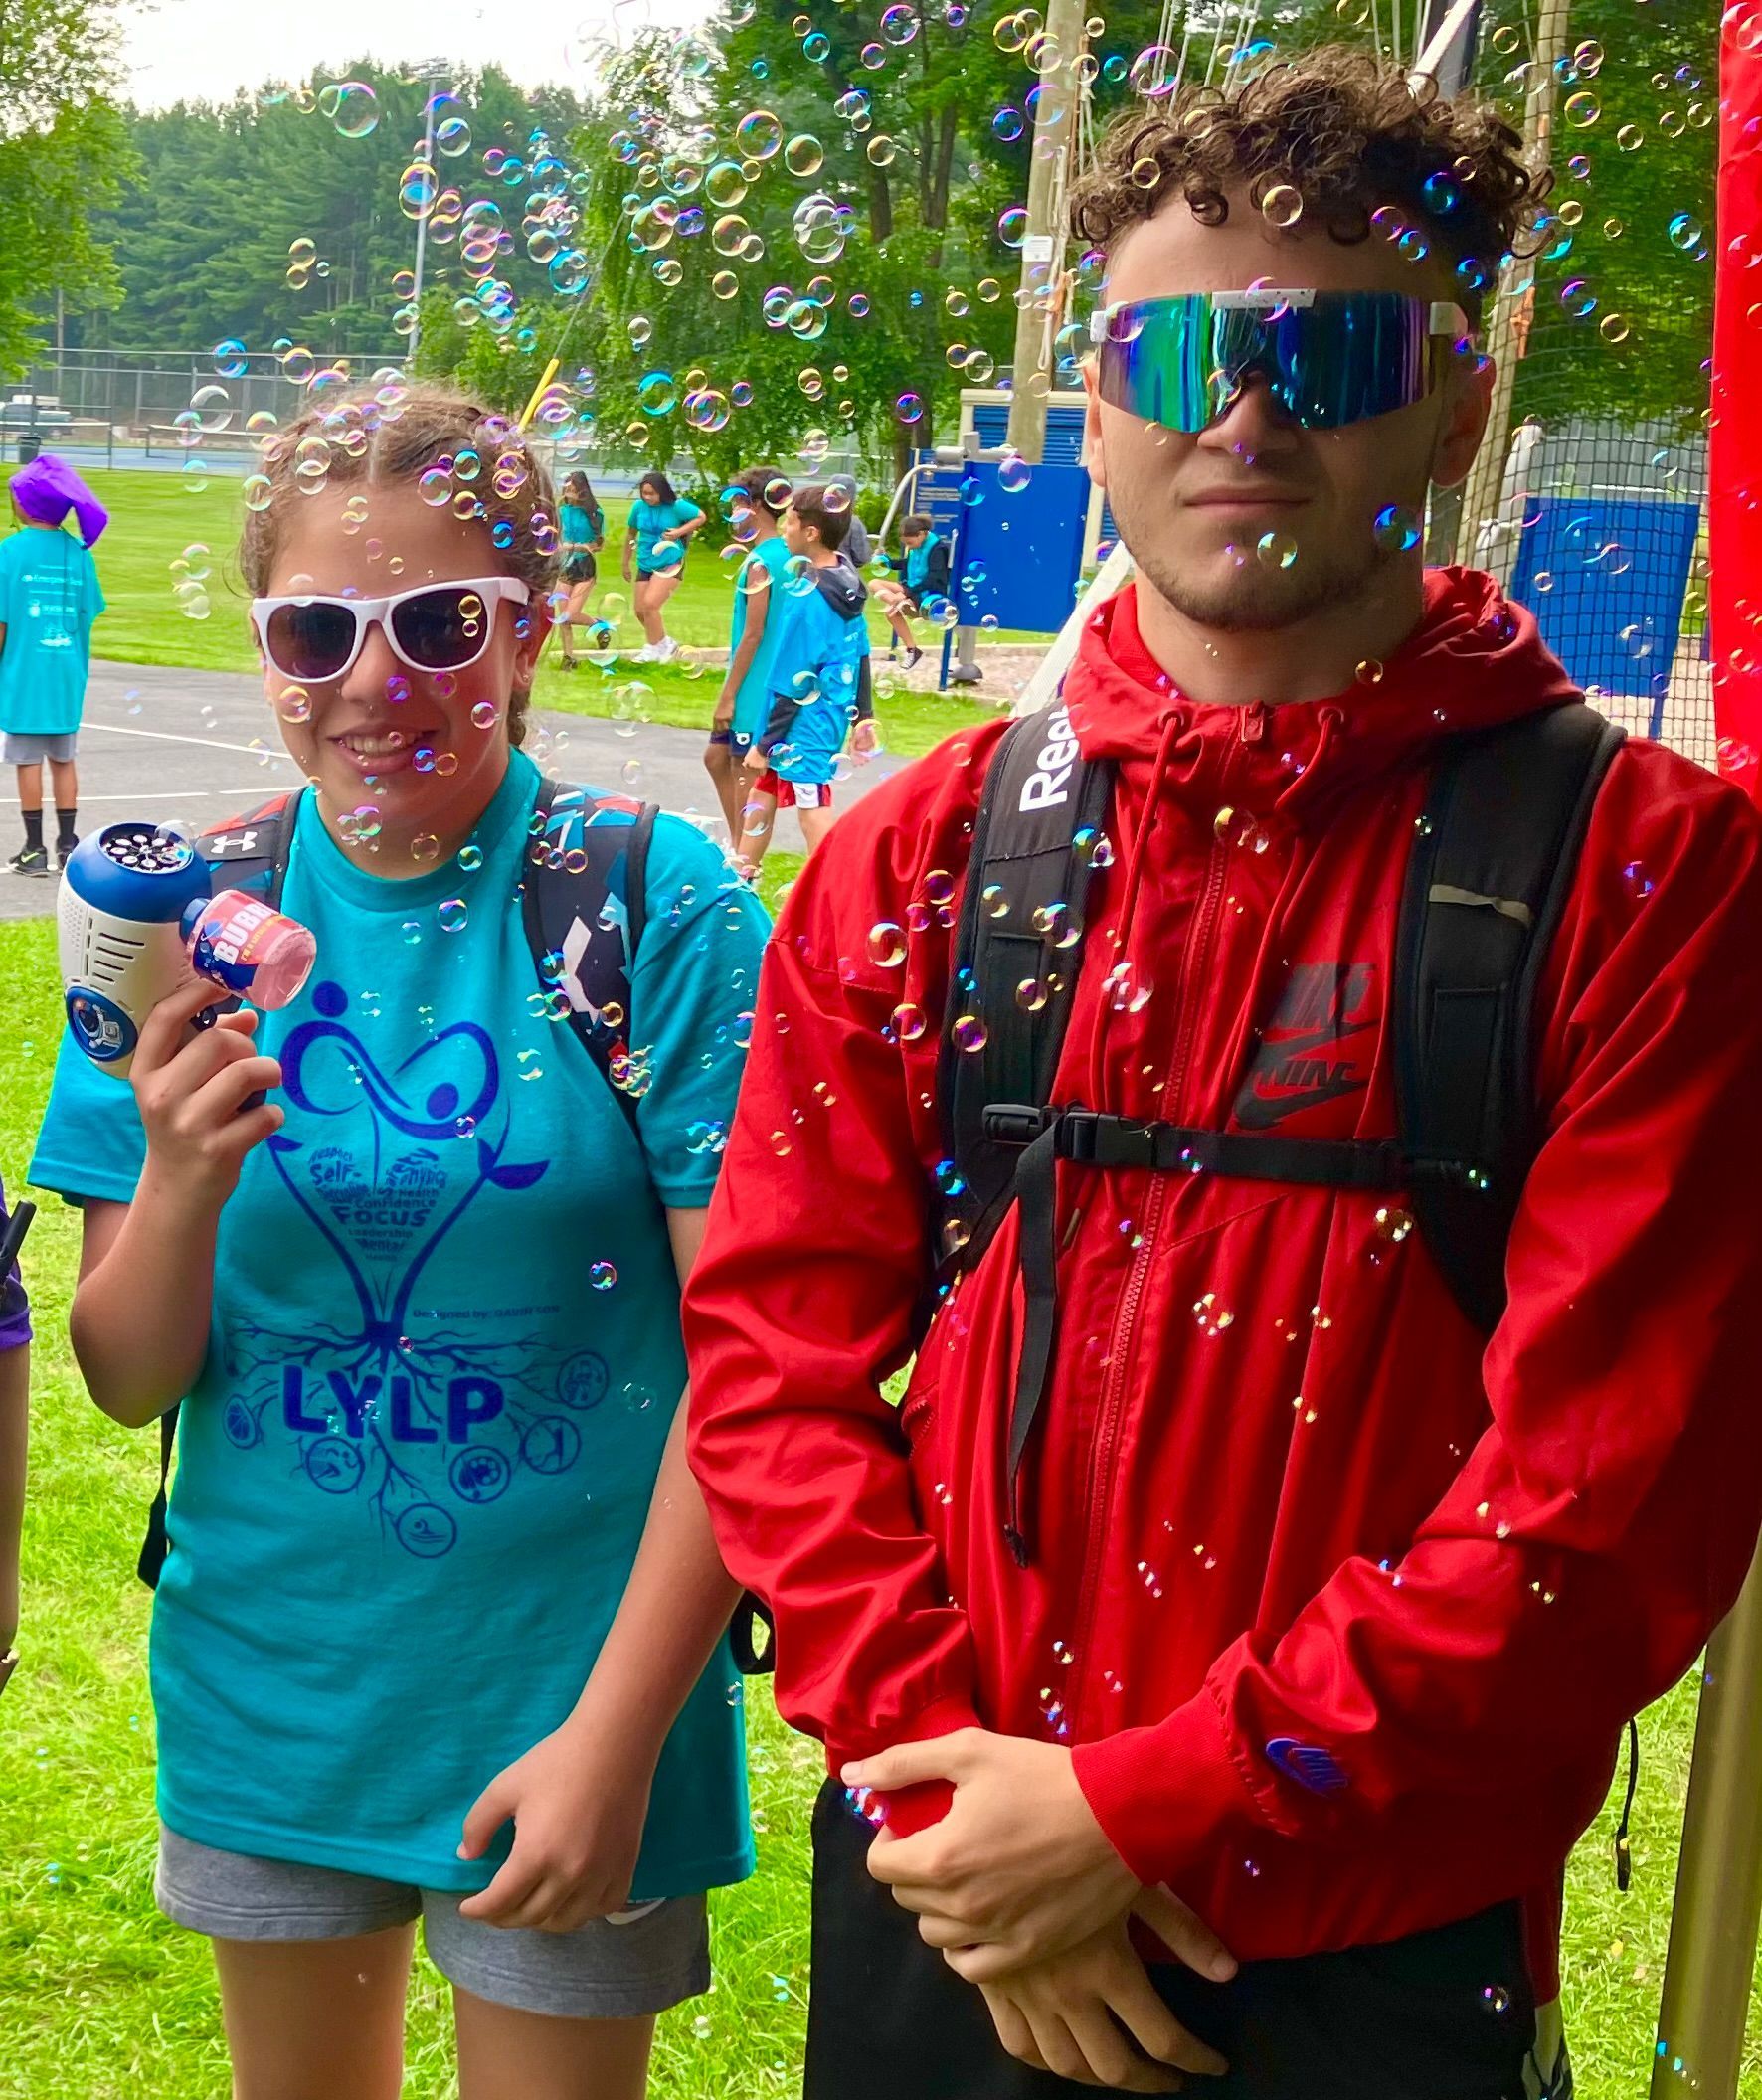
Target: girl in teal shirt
{"points": [[580, 525], [661, 529], [441, 1630]]}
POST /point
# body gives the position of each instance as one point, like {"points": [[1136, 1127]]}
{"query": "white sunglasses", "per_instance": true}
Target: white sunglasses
{"points": [[433, 628]]}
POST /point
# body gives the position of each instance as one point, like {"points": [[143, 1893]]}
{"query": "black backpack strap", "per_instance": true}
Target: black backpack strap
{"points": [[156, 1544], [1490, 871], [1036, 841], [245, 853], [251, 852], [577, 865]]}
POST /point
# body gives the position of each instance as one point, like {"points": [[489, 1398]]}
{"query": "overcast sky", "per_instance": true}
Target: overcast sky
{"points": [[202, 50]]}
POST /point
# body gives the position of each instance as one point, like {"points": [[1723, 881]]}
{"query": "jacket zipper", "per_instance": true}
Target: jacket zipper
{"points": [[1103, 1451]]}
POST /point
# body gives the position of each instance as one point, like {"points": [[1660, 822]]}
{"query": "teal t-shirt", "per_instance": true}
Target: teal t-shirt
{"points": [[578, 525], [48, 599], [649, 520], [751, 704], [445, 1358], [818, 661]]}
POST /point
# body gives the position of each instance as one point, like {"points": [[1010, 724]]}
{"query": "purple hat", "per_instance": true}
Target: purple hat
{"points": [[49, 489]]}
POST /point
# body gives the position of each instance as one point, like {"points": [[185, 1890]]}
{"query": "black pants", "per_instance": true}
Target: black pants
{"points": [[1443, 2015]]}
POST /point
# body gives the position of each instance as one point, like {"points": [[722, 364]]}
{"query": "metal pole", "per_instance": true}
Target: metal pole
{"points": [[1516, 297], [430, 75], [1445, 41], [1043, 245], [1706, 1988]]}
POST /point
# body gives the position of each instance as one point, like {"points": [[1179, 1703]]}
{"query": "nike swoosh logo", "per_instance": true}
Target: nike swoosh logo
{"points": [[1254, 1113], [1257, 1111]]}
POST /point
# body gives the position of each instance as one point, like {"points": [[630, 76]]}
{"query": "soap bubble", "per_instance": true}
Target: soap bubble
{"points": [[1396, 530], [1282, 206], [352, 106]]}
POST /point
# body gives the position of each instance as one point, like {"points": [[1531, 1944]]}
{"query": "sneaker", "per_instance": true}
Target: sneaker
{"points": [[63, 854], [668, 650], [649, 653], [29, 860], [914, 656]]}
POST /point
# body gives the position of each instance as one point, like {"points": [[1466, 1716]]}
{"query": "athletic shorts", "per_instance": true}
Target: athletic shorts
{"points": [[664, 575], [796, 794], [28, 750], [580, 568], [637, 1962], [1441, 2015], [735, 738]]}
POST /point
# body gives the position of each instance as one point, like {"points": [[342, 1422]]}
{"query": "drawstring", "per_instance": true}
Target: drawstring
{"points": [[1172, 725], [1624, 1858], [1332, 721]]}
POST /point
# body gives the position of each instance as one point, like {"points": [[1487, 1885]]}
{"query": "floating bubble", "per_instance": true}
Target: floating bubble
{"points": [[909, 408], [451, 915], [1013, 226], [1154, 72], [1686, 232], [602, 1274], [352, 106], [1276, 550], [759, 134], [804, 155], [1396, 530], [1282, 206], [898, 24]]}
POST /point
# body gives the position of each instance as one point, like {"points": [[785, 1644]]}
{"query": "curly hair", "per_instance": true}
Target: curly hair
{"points": [[1336, 135], [406, 432]]}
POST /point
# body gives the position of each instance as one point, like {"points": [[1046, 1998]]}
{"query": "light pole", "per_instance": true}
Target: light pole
{"points": [[428, 71], [1043, 245]]}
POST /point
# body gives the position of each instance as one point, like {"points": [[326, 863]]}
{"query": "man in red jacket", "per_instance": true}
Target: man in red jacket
{"points": [[1333, 1608]]}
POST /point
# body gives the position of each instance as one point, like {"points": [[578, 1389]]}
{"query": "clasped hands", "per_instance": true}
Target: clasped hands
{"points": [[1022, 1893]]}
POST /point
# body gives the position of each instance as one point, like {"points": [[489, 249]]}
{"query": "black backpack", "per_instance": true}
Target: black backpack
{"points": [[1488, 874], [1495, 853], [561, 890]]}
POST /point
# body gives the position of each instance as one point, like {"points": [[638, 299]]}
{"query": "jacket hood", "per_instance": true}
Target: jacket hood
{"points": [[1475, 660], [842, 588]]}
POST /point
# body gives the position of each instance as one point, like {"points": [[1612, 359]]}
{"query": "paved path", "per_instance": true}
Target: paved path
{"points": [[199, 746]]}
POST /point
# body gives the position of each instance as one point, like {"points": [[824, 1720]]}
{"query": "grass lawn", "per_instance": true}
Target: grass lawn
{"points": [[155, 519], [104, 2000]]}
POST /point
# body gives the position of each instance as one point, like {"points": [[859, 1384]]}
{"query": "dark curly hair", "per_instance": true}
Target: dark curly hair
{"points": [[1349, 135]]}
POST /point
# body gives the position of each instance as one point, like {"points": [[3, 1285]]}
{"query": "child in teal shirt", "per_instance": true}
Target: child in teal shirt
{"points": [[767, 575], [49, 598]]}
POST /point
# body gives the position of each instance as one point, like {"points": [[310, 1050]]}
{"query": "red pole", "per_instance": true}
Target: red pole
{"points": [[1735, 509]]}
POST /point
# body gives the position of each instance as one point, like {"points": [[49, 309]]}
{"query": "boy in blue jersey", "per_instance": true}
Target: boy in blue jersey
{"points": [[819, 680], [761, 496], [922, 573]]}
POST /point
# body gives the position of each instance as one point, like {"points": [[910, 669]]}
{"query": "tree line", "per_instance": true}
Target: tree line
{"points": [[784, 225]]}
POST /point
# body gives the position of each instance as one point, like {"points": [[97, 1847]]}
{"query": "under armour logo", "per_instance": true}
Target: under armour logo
{"points": [[223, 844]]}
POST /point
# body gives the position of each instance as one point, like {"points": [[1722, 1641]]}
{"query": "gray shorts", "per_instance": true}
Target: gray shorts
{"points": [[637, 1962], [32, 750]]}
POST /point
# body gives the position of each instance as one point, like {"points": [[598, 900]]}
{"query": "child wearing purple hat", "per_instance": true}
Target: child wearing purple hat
{"points": [[48, 599]]}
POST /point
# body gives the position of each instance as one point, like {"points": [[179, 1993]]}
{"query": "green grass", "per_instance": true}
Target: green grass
{"points": [[155, 519], [104, 2000]]}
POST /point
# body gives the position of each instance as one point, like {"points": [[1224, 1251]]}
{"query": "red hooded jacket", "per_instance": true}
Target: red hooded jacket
{"points": [[1280, 1489]]}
